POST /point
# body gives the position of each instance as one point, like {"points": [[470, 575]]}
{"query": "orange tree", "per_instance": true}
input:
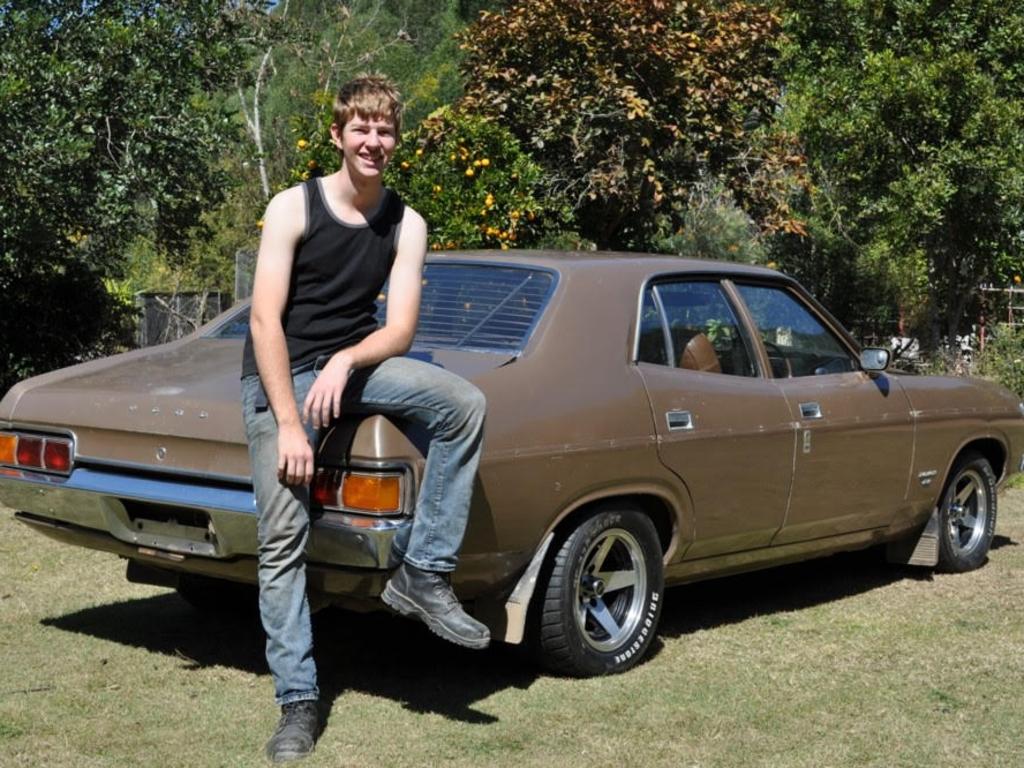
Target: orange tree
{"points": [[631, 103], [465, 174]]}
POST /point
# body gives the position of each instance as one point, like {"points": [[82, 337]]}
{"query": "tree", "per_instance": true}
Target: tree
{"points": [[630, 105], [466, 175], [474, 185], [297, 53], [300, 51], [109, 131], [911, 114]]}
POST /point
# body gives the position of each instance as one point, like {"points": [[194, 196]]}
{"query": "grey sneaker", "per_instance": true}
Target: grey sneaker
{"points": [[295, 735], [429, 597]]}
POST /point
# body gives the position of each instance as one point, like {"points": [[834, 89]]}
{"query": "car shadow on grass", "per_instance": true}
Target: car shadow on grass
{"points": [[719, 602], [390, 657], [709, 604], [378, 653]]}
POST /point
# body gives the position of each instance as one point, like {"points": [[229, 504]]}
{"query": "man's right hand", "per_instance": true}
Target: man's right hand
{"points": [[294, 455]]}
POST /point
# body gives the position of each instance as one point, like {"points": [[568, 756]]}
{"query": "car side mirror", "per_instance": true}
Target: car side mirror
{"points": [[874, 359]]}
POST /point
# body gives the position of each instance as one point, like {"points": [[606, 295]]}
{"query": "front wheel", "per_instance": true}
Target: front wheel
{"points": [[602, 599], [967, 515]]}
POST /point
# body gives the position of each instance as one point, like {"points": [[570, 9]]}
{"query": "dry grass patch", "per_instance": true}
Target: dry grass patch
{"points": [[842, 662]]}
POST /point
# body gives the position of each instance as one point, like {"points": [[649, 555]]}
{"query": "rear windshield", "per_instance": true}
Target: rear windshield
{"points": [[464, 306]]}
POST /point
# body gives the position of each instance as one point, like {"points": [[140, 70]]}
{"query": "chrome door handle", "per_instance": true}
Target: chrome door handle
{"points": [[810, 410], [679, 420]]}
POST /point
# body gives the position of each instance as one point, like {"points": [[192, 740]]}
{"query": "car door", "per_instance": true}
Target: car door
{"points": [[855, 436], [723, 427]]}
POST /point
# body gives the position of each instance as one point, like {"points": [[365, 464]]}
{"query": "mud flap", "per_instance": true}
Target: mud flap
{"points": [[507, 621], [924, 550]]}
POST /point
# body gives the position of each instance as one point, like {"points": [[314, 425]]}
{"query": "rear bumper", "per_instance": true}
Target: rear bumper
{"points": [[181, 520]]}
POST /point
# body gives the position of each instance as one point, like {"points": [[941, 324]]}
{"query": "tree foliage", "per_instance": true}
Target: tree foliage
{"points": [[713, 227], [107, 132], [630, 105], [912, 117], [473, 183], [466, 175], [1003, 358], [297, 54], [300, 51]]}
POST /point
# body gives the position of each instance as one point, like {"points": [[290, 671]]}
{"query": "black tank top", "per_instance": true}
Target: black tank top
{"points": [[338, 272]]}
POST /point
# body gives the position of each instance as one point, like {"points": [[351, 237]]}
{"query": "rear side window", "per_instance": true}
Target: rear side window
{"points": [[465, 306], [691, 325], [475, 306]]}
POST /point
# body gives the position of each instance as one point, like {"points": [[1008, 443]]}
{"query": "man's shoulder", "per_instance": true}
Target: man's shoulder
{"points": [[400, 210], [412, 232], [286, 212], [289, 197], [411, 216]]}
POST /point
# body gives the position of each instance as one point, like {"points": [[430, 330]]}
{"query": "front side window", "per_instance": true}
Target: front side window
{"points": [[691, 325], [797, 343]]}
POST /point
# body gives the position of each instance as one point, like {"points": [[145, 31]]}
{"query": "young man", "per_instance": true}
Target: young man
{"points": [[315, 351]]}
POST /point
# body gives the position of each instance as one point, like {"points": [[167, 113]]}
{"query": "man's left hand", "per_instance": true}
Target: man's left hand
{"points": [[324, 399]]}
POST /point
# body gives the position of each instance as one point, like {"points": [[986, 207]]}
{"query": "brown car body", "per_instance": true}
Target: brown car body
{"points": [[733, 472]]}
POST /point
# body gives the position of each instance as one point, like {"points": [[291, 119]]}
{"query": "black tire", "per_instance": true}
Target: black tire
{"points": [[216, 596], [585, 628], [967, 514]]}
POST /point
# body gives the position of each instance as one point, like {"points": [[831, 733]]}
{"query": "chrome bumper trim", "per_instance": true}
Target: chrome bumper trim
{"points": [[94, 498], [157, 491]]}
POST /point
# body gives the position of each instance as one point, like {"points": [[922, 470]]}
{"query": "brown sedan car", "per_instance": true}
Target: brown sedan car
{"points": [[651, 421]]}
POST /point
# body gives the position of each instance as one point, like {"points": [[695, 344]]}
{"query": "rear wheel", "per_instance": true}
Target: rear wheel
{"points": [[967, 515], [602, 599]]}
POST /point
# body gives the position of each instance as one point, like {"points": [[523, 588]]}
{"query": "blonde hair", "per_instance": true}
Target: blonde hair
{"points": [[368, 96]]}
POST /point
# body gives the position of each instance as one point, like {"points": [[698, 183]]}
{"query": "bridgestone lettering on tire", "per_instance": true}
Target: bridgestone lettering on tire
{"points": [[602, 599], [967, 514]]}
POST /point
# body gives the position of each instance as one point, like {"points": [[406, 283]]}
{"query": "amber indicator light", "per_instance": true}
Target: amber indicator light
{"points": [[371, 493], [30, 451], [8, 443]]}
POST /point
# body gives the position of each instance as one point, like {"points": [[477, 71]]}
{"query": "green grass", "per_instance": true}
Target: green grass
{"points": [[840, 662]]}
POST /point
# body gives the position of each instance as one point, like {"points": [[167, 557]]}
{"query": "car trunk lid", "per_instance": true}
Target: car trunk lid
{"points": [[173, 407]]}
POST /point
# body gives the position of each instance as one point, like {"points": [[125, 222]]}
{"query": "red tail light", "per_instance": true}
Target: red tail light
{"points": [[326, 486], [50, 454], [57, 455], [30, 451]]}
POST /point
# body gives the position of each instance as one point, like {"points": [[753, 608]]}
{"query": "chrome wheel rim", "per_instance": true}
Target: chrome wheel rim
{"points": [[611, 590], [967, 516]]}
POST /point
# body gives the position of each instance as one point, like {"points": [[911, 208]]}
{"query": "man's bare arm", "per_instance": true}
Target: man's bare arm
{"points": [[282, 229], [391, 340]]}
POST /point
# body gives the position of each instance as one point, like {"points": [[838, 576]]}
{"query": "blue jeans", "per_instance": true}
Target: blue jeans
{"points": [[451, 410]]}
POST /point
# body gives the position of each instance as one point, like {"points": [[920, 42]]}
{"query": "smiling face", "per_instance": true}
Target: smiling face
{"points": [[366, 144]]}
